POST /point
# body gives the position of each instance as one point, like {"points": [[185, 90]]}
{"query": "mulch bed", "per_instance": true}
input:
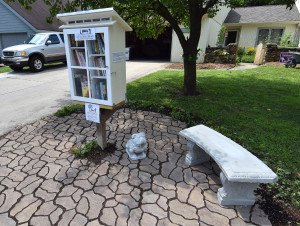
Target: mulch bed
{"points": [[96, 155], [276, 64], [278, 213], [206, 66]]}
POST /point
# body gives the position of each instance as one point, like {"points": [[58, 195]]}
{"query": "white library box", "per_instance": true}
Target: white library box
{"points": [[95, 49]]}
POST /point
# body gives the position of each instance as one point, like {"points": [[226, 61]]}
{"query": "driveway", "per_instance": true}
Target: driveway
{"points": [[26, 97]]}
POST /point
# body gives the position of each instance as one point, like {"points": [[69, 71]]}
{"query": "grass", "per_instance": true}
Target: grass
{"points": [[258, 108], [5, 69], [8, 69]]}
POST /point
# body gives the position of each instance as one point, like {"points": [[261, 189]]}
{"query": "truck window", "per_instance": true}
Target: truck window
{"points": [[37, 39], [54, 39], [62, 37]]}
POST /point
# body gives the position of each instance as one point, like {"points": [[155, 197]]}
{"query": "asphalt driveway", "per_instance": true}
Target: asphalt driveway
{"points": [[26, 96]]}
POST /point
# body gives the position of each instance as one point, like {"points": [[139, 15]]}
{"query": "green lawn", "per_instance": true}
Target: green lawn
{"points": [[258, 108], [5, 69], [8, 69]]}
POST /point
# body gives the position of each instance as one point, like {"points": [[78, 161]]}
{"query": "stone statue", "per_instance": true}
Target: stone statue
{"points": [[137, 146]]}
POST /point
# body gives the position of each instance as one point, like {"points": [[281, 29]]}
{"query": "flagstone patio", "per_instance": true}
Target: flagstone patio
{"points": [[42, 183]]}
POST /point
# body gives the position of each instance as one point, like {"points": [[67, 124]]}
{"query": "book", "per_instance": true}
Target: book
{"points": [[77, 61], [80, 57], [103, 91], [93, 47], [77, 81], [102, 39], [84, 86], [97, 91], [100, 43]]}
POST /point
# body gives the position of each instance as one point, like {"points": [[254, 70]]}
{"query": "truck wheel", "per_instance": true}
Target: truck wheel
{"points": [[15, 68], [36, 63]]}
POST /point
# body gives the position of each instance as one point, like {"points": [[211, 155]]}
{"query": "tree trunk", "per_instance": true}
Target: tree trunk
{"points": [[189, 60], [189, 86]]}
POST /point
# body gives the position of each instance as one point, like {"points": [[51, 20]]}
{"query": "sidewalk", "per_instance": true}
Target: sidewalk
{"points": [[42, 183]]}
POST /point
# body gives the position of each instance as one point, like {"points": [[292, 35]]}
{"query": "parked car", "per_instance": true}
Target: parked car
{"points": [[35, 52]]}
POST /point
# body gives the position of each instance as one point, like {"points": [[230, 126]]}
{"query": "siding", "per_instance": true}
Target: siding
{"points": [[248, 33], [10, 24], [209, 35]]}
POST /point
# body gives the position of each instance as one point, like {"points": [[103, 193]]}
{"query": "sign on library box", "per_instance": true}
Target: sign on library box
{"points": [[92, 112], [85, 34]]}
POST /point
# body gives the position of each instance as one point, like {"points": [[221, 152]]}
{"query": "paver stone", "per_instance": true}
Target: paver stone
{"points": [[148, 220]]}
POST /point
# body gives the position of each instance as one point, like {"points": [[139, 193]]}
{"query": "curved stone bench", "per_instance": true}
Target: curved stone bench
{"points": [[241, 171]]}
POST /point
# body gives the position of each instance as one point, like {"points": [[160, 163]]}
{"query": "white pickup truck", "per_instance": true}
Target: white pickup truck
{"points": [[41, 48]]}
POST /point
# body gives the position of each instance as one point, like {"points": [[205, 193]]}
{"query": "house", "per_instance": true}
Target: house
{"points": [[246, 26], [209, 35], [17, 24], [249, 26]]}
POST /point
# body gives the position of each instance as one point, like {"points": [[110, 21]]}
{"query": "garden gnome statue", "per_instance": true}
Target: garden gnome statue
{"points": [[137, 146]]}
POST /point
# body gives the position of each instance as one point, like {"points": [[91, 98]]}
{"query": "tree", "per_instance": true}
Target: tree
{"points": [[149, 18]]}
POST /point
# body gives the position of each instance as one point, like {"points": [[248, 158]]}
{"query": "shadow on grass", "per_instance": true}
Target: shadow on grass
{"points": [[258, 108]]}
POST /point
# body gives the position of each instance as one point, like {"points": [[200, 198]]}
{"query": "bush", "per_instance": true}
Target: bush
{"points": [[241, 51], [250, 51], [90, 145], [221, 36], [248, 59], [68, 110], [245, 55], [287, 40]]}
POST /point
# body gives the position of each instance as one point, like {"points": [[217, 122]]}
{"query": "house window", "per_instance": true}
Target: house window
{"points": [[272, 35], [231, 37]]}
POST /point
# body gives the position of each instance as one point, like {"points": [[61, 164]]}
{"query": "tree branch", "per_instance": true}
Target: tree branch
{"points": [[164, 12], [210, 4]]}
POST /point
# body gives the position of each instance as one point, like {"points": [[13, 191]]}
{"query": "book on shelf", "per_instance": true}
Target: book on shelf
{"points": [[97, 91], [103, 92], [100, 40], [80, 57], [77, 81], [93, 47], [98, 44], [84, 86]]}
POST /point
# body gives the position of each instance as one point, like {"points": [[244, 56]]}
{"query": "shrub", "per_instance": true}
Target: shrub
{"points": [[221, 36], [250, 51], [241, 51], [248, 59], [90, 145], [287, 40], [68, 110]]}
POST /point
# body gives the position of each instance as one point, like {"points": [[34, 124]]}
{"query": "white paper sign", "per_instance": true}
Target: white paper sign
{"points": [[118, 56], [85, 34], [92, 112]]}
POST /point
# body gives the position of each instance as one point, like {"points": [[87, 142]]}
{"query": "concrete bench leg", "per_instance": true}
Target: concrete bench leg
{"points": [[195, 155], [236, 193]]}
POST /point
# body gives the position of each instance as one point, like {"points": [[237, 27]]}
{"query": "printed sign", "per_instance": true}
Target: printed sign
{"points": [[118, 56], [92, 112], [285, 57], [85, 34]]}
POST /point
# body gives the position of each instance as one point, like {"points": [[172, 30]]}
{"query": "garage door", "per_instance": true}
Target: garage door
{"points": [[7, 40]]}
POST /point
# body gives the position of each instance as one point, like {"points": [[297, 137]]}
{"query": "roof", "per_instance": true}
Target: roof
{"points": [[91, 15], [36, 16], [262, 14]]}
